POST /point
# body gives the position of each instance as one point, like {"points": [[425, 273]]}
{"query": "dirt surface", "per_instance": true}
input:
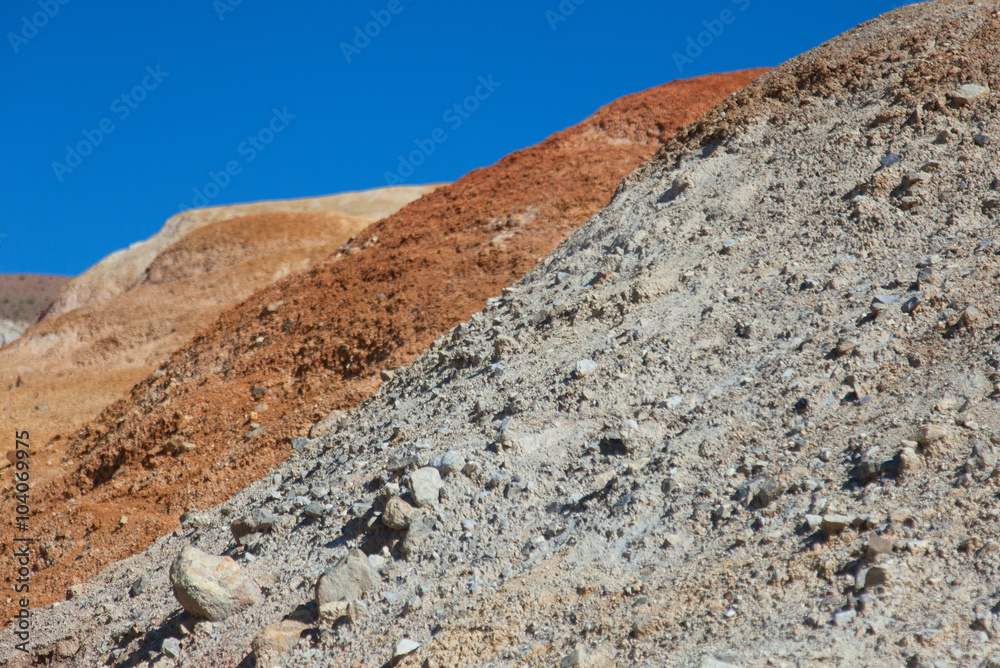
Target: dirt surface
{"points": [[133, 309], [748, 415], [268, 369]]}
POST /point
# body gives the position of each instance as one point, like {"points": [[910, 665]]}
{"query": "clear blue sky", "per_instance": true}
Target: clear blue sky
{"points": [[184, 85]]}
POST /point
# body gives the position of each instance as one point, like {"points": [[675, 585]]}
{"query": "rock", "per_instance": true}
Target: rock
{"points": [[967, 94], [712, 662], [845, 347], [834, 524], [171, 647], [74, 591], [139, 586], [347, 580], [577, 657], [403, 648], [769, 492], [814, 522], [877, 576], [211, 587], [299, 444], [67, 648], [417, 536], [970, 317], [844, 617], [386, 375], [398, 514], [260, 519], [729, 246], [426, 484], [912, 304], [327, 425], [448, 463], [352, 611], [275, 640], [930, 434], [876, 547], [585, 368], [909, 460], [315, 510]]}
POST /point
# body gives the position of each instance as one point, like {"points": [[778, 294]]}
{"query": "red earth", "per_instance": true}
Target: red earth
{"points": [[316, 341]]}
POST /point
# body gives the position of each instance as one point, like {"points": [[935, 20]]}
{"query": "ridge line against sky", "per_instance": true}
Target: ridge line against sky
{"points": [[121, 115]]}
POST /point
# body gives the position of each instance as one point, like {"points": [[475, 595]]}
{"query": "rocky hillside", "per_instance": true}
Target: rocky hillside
{"points": [[746, 416], [125, 269], [23, 297], [224, 410], [135, 308]]}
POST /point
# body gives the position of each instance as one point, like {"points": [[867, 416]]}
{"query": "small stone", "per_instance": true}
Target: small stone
{"points": [[970, 317], [585, 368], [403, 648], [171, 647], [769, 492], [276, 640], [386, 375], [577, 657], [347, 580], [981, 139], [927, 276], [967, 94], [909, 461], [845, 347], [834, 524], [426, 484], [877, 576], [398, 514], [315, 510], [729, 246], [67, 648], [912, 304], [299, 443], [211, 587], [352, 611], [712, 662], [327, 425], [889, 160], [139, 586], [876, 547], [417, 536], [931, 433], [814, 522], [448, 463], [844, 617], [260, 519]]}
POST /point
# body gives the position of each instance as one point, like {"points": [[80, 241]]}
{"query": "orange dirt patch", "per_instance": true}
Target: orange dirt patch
{"points": [[406, 280]]}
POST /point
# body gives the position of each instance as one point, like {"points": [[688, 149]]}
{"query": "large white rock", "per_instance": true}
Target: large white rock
{"points": [[211, 587]]}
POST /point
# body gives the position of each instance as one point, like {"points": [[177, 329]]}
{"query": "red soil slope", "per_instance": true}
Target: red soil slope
{"points": [[405, 280]]}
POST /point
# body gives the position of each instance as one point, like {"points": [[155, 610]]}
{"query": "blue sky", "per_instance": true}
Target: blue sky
{"points": [[154, 99]]}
